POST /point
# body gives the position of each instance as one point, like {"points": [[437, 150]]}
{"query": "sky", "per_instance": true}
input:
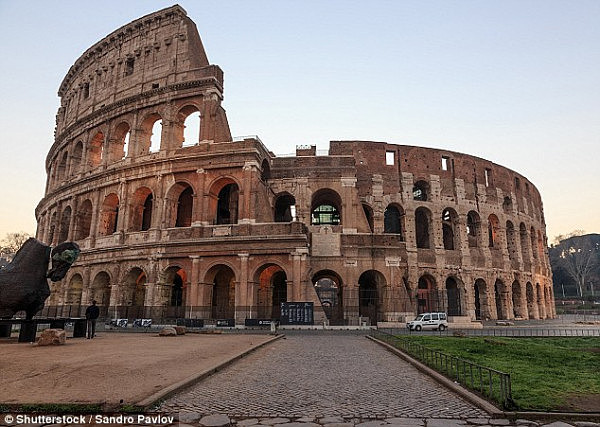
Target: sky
{"points": [[514, 82]]}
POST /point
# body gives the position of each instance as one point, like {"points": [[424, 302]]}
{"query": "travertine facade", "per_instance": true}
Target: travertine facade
{"points": [[213, 227]]}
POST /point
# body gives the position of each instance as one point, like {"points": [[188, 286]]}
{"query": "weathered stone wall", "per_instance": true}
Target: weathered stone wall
{"points": [[221, 228]]}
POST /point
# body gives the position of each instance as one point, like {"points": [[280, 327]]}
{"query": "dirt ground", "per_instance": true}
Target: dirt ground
{"points": [[111, 367]]}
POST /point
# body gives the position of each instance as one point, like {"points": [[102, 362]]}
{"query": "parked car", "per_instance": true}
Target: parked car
{"points": [[435, 321]]}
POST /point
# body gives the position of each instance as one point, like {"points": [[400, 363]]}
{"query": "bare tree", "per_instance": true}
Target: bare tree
{"points": [[13, 241], [579, 258]]}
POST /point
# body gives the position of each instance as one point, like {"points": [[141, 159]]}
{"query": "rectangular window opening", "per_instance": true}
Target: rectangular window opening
{"points": [[129, 66], [389, 158], [488, 177], [445, 163]]}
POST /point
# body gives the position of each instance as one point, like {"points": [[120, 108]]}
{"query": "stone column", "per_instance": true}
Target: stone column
{"points": [[199, 213], [246, 214], [241, 290], [193, 293], [348, 224]]}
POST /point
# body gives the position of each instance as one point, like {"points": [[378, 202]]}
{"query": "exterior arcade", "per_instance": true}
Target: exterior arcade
{"points": [[208, 226]]}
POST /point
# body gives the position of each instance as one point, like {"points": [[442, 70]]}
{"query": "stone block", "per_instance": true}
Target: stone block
{"points": [[181, 330], [169, 331], [52, 337]]}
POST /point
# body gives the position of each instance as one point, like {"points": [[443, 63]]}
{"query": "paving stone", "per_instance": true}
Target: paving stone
{"points": [[478, 421], [273, 421], [188, 417], [375, 423], [339, 425], [558, 424], [405, 421], [306, 420], [295, 424], [444, 422], [247, 422], [522, 422], [330, 420], [499, 422], [216, 420], [586, 424]]}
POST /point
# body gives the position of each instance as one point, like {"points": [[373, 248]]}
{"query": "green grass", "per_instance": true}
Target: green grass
{"points": [[545, 372]]}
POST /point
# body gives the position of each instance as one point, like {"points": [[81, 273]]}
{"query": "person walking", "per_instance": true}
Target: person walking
{"points": [[91, 314]]}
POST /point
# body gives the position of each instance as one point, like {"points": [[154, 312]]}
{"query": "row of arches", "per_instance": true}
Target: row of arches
{"points": [[108, 146]]}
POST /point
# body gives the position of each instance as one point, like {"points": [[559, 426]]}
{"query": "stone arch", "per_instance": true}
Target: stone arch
{"points": [[421, 191], [62, 172], [76, 158], [473, 229], [96, 150], [100, 289], [187, 131], [271, 290], [519, 311], [119, 144], [493, 230], [84, 220], [453, 294], [511, 241], [329, 288], [533, 246], [224, 200], [524, 244], [371, 284], [393, 220], [52, 228], [427, 297], [326, 207], [223, 280], [285, 207], [74, 290], [482, 306], [65, 224], [369, 216], [109, 215], [265, 170], [507, 205], [179, 205], [532, 312], [140, 214], [175, 281], [150, 134], [499, 291], [450, 234], [423, 227]]}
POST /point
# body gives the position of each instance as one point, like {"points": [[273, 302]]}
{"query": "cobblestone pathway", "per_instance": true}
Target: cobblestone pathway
{"points": [[321, 376]]}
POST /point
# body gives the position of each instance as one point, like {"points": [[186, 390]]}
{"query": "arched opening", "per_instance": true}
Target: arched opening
{"points": [[222, 278], [73, 300], [191, 129], [156, 137], [285, 208], [95, 151], [482, 310], [272, 291], [370, 287], [473, 229], [531, 308], [326, 208], [426, 295], [65, 223], [328, 286], [185, 204], [61, 173], [498, 294], [265, 171], [134, 293], [518, 309], [141, 210], [119, 144], [453, 294], [393, 219], [369, 216], [227, 204], [84, 220], [534, 250], [52, 228], [109, 215], [421, 191], [511, 241], [493, 228], [100, 289], [422, 226], [149, 135], [540, 245], [507, 205], [175, 279], [524, 244], [450, 229], [76, 158]]}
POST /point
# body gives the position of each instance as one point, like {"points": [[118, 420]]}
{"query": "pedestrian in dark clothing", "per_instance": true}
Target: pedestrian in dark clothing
{"points": [[91, 314]]}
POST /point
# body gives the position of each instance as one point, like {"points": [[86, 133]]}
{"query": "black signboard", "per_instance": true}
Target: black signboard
{"points": [[258, 322], [297, 313], [225, 323], [190, 323]]}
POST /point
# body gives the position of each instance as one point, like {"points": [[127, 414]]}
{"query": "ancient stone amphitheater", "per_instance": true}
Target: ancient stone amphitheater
{"points": [[176, 218]]}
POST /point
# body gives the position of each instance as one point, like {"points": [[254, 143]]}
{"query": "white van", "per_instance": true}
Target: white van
{"points": [[435, 321]]}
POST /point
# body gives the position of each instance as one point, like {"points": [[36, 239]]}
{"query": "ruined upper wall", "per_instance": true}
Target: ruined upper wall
{"points": [[157, 50]]}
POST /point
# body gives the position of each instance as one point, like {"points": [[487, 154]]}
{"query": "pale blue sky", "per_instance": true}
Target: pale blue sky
{"points": [[515, 82]]}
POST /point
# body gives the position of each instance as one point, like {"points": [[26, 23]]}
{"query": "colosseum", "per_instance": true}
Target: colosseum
{"points": [[177, 219]]}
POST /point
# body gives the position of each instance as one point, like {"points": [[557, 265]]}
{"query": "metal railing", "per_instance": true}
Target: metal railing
{"points": [[517, 332], [490, 383]]}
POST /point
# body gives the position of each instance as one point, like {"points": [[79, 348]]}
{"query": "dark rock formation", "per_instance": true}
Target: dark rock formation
{"points": [[23, 283]]}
